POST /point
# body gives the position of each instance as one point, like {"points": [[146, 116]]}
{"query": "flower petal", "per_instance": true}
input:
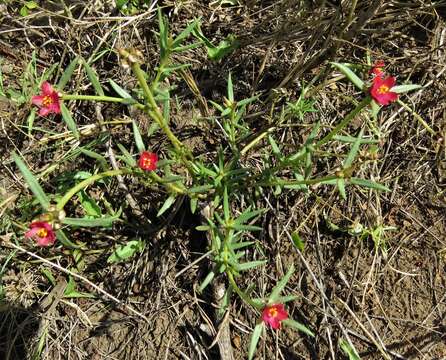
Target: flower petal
{"points": [[44, 111], [37, 100], [46, 88]]}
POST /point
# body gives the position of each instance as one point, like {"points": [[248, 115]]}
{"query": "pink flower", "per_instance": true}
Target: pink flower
{"points": [[42, 232], [147, 161], [381, 90], [272, 315], [49, 101], [377, 68]]}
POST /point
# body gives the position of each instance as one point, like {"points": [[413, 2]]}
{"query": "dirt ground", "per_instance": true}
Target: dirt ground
{"points": [[390, 304]]}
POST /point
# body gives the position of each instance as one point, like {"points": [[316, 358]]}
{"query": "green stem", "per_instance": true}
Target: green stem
{"points": [[344, 122], [172, 187], [155, 112], [240, 292], [75, 189], [99, 98], [418, 117]]}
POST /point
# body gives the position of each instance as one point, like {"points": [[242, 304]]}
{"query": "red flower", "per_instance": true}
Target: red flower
{"points": [[377, 68], [49, 101], [273, 315], [42, 232], [147, 161], [381, 90]]}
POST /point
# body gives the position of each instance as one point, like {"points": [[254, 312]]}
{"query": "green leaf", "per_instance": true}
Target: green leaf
{"points": [[31, 181], [354, 150], [349, 350], [230, 88], [70, 290], [120, 91], [90, 206], [93, 78], [400, 89], [206, 281], [185, 33], [200, 189], [66, 116], [30, 120], [246, 227], [340, 183], [298, 326], [164, 33], [23, 11], [285, 299], [167, 204], [224, 48], [297, 241], [47, 273], [375, 108], [66, 76], [275, 293], [65, 241], [255, 339], [247, 215], [31, 5], [128, 158], [106, 221], [350, 75], [369, 184], [226, 204], [250, 265], [193, 205], [123, 252], [138, 139], [94, 155]]}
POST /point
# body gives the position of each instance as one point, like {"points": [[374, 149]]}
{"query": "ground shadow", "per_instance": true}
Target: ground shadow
{"points": [[18, 327]]}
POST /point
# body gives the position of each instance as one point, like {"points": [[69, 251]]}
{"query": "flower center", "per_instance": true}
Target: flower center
{"points": [[273, 312], [47, 100], [147, 162], [383, 89], [42, 233]]}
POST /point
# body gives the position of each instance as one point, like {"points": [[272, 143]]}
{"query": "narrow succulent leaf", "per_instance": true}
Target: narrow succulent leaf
{"points": [[350, 75], [138, 139], [230, 88], [66, 76], [88, 222], [275, 293], [369, 184], [66, 116], [349, 350], [30, 120], [245, 102], [94, 155], [185, 33], [60, 234], [298, 326], [297, 241], [119, 90], [128, 158], [354, 151], [400, 89], [193, 205], [240, 245], [247, 215], [250, 265], [206, 281], [340, 183], [285, 299], [274, 147], [226, 204], [200, 189], [31, 181], [93, 79], [246, 227], [167, 204], [255, 339]]}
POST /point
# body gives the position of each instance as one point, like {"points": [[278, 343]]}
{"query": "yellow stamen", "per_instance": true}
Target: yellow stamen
{"points": [[383, 89], [273, 312], [47, 100], [42, 233]]}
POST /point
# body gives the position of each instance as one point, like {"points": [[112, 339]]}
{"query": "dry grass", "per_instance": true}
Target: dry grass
{"points": [[390, 305]]}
